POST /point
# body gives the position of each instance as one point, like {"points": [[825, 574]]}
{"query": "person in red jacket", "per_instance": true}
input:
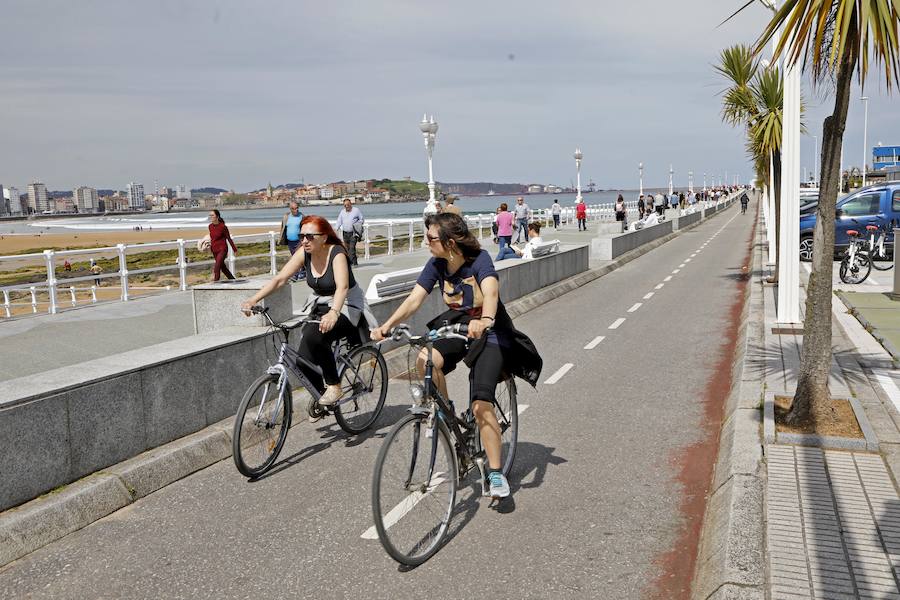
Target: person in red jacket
{"points": [[219, 238], [581, 215]]}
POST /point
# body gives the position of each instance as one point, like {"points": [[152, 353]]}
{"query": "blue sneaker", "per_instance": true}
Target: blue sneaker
{"points": [[499, 485]]}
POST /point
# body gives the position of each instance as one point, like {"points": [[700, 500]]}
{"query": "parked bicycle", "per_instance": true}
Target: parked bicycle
{"points": [[855, 264], [427, 454], [264, 415], [876, 249]]}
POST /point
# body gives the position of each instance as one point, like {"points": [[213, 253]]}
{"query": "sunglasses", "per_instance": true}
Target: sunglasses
{"points": [[309, 236]]}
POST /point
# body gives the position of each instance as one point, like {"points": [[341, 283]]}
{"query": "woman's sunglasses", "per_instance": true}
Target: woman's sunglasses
{"points": [[309, 236]]}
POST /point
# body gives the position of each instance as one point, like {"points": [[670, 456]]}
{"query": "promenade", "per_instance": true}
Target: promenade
{"points": [[615, 453]]}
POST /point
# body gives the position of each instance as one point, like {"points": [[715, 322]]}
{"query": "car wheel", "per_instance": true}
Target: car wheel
{"points": [[806, 249]]}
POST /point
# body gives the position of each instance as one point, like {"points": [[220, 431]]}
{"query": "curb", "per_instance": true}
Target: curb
{"points": [[45, 519], [731, 554], [869, 442], [871, 329]]}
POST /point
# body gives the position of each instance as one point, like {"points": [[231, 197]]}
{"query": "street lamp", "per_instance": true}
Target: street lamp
{"points": [[690, 182], [429, 129], [578, 155], [641, 172], [865, 100], [704, 182], [671, 173]]}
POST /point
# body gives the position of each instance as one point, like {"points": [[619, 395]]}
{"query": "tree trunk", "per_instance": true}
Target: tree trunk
{"points": [[815, 358]]}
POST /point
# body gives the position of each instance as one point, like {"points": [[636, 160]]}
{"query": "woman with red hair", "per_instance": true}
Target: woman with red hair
{"points": [[336, 301]]}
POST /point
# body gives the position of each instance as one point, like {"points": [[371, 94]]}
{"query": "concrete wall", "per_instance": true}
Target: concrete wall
{"points": [[66, 423], [612, 247], [687, 220]]}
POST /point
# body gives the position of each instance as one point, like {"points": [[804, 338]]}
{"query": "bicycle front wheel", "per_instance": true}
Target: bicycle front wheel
{"points": [[261, 425], [507, 411], [858, 271], [413, 495], [366, 381]]}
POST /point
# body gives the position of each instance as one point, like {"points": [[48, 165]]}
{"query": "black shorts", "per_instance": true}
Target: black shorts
{"points": [[484, 374]]}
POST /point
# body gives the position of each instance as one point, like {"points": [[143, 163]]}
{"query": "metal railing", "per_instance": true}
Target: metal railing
{"points": [[51, 294]]}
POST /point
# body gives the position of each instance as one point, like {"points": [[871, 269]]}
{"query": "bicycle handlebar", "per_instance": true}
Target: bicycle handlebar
{"points": [[455, 331], [264, 311]]}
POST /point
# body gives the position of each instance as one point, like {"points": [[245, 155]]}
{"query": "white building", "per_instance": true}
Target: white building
{"points": [[326, 193], [135, 196], [37, 198], [4, 203], [86, 199], [182, 192], [11, 197]]}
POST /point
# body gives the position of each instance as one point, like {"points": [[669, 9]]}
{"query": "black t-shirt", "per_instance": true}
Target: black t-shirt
{"points": [[325, 285]]}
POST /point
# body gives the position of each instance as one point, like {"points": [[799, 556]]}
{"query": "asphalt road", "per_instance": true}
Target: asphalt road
{"points": [[613, 458]]}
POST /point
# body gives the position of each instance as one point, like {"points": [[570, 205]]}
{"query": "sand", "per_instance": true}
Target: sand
{"points": [[87, 239]]}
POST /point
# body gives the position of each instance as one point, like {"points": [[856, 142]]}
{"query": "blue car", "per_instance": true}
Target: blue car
{"points": [[873, 205]]}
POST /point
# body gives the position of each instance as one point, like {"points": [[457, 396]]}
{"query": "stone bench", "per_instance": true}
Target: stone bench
{"points": [[217, 305]]}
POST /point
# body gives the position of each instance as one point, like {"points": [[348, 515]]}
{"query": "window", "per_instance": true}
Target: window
{"points": [[866, 204], [895, 202]]}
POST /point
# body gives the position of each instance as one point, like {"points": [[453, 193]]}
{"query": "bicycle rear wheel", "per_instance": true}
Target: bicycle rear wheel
{"points": [[507, 411], [367, 380], [261, 425], [411, 510], [856, 272]]}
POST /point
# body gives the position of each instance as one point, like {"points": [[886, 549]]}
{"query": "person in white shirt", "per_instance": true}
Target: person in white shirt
{"points": [[522, 212], [511, 251], [555, 210]]}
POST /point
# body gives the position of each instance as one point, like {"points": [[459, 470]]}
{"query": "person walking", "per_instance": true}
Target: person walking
{"points": [[660, 204], [521, 211], [581, 215], [219, 239], [681, 202], [504, 220], [641, 206], [555, 211], [451, 207], [290, 234], [350, 224], [95, 271], [620, 211]]}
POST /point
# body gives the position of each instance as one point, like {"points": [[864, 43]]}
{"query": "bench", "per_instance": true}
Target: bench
{"points": [[391, 284], [545, 248]]}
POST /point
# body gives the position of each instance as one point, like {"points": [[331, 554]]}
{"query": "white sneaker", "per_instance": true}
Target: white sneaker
{"points": [[499, 485]]}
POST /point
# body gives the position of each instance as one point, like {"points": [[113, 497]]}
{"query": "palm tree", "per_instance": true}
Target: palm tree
{"points": [[835, 39]]}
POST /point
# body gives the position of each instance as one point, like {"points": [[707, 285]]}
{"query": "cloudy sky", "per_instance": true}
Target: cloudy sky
{"points": [[235, 94]]}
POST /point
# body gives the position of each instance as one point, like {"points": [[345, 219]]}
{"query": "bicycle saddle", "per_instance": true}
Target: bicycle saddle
{"points": [[852, 232]]}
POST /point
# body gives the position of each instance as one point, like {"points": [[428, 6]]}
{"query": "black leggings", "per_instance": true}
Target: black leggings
{"points": [[483, 375], [315, 346]]}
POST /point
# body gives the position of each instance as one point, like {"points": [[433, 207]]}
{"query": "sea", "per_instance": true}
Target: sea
{"points": [[271, 217]]}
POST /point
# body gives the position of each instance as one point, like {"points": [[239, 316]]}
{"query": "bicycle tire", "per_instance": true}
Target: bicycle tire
{"points": [[875, 266], [858, 275], [353, 417], [390, 493], [252, 439], [507, 401]]}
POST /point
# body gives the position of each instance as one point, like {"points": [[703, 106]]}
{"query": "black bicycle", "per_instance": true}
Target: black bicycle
{"points": [[427, 454], [264, 415]]}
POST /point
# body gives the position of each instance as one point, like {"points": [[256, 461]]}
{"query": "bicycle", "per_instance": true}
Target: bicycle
{"points": [[855, 264], [427, 454], [876, 249], [264, 414]]}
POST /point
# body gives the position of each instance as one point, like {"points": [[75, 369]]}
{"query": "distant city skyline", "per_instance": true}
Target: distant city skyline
{"points": [[227, 94]]}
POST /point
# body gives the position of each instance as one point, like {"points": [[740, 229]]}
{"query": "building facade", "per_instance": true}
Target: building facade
{"points": [[135, 193], [37, 198], [884, 157], [86, 199], [14, 201], [182, 192]]}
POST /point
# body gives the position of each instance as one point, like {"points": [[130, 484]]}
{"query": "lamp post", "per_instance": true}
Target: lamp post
{"points": [[578, 155], [816, 160], [429, 129], [865, 100], [690, 182], [671, 173], [704, 182], [641, 173]]}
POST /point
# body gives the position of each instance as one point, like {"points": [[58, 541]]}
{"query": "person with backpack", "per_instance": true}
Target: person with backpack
{"points": [[745, 200], [620, 211]]}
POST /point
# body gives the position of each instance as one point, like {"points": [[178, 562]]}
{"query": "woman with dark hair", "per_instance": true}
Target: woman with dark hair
{"points": [[471, 290], [505, 221], [219, 238], [620, 209], [336, 301]]}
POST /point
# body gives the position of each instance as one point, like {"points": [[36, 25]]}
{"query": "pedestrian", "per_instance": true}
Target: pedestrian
{"points": [[556, 211], [67, 266], [648, 207], [95, 271], [581, 214], [521, 211], [511, 251], [620, 211], [290, 234], [336, 302], [641, 206], [350, 224], [681, 202], [660, 204], [745, 200], [505, 221], [451, 207], [219, 238], [673, 200]]}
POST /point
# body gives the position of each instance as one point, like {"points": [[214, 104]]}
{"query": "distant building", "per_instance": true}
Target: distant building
{"points": [[326, 192], [37, 198], [305, 195], [117, 203], [86, 199], [884, 157], [535, 189], [135, 193], [4, 203], [14, 201], [182, 192], [64, 205]]}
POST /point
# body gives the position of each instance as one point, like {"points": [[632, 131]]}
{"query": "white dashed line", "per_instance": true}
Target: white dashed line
{"points": [[635, 307], [659, 286], [559, 374], [521, 408], [681, 266], [687, 260], [406, 505], [694, 254], [676, 271], [668, 278], [616, 323], [648, 296], [594, 342]]}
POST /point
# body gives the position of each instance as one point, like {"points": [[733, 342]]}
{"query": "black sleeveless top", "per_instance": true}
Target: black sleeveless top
{"points": [[325, 285]]}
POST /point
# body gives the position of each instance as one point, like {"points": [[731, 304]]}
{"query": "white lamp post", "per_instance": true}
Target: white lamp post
{"points": [[429, 129], [865, 100], [704, 182], [691, 182], [578, 155], [641, 173], [671, 173]]}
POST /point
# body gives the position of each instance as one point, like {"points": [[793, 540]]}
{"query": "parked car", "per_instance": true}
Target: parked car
{"points": [[873, 205]]}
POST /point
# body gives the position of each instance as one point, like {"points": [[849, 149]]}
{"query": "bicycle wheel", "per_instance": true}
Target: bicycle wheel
{"points": [[261, 425], [507, 411], [858, 271], [367, 379], [879, 256], [412, 511]]}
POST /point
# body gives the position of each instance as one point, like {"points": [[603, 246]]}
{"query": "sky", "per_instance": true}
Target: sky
{"points": [[235, 94]]}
